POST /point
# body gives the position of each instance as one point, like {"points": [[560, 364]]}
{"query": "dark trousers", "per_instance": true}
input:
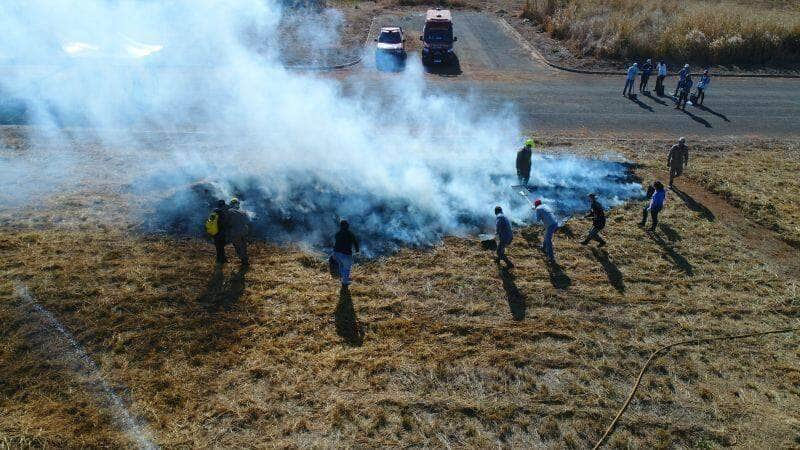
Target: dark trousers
{"points": [[594, 234], [501, 252], [653, 215], [524, 175], [219, 244], [643, 83], [701, 95], [240, 245], [660, 85], [684, 97]]}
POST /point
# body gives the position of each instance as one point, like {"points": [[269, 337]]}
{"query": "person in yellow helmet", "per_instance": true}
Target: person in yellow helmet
{"points": [[524, 162]]}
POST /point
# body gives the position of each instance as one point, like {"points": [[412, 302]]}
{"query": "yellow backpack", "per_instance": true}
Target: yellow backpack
{"points": [[212, 224]]}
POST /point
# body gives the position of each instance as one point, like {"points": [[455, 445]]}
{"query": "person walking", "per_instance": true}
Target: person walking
{"points": [[598, 216], [656, 204], [686, 88], [647, 69], [545, 215], [344, 244], [215, 227], [504, 235], [681, 76], [237, 228], [702, 85], [662, 73], [524, 162], [630, 79], [677, 159]]}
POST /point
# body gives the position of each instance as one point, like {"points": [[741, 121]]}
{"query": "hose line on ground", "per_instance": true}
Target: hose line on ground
{"points": [[663, 349]]}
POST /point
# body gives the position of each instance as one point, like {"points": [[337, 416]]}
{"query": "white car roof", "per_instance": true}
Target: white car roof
{"points": [[390, 29]]}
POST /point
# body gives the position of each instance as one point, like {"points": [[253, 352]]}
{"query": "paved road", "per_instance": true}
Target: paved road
{"points": [[497, 64]]}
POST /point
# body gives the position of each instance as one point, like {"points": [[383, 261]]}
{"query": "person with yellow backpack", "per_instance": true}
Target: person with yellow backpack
{"points": [[215, 228]]}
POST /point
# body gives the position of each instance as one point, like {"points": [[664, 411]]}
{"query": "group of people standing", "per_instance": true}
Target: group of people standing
{"points": [[683, 88]]}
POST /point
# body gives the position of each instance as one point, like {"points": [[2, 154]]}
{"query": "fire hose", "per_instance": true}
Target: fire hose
{"points": [[663, 349]]}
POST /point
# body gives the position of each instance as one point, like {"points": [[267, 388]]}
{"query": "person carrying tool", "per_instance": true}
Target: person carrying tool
{"points": [[524, 162], [545, 215], [677, 159], [630, 79], [647, 69], [656, 205], [215, 228], [344, 243], [681, 76], [662, 73], [686, 88], [598, 216], [504, 236], [237, 227], [702, 85]]}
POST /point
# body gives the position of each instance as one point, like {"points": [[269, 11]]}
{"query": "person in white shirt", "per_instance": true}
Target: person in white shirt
{"points": [[662, 73], [545, 215]]}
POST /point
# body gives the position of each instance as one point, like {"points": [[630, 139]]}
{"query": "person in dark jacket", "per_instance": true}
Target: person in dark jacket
{"points": [[598, 216], [677, 159], [524, 162], [647, 69], [219, 238], [504, 235], [681, 77], [237, 227], [345, 242], [656, 204], [686, 87]]}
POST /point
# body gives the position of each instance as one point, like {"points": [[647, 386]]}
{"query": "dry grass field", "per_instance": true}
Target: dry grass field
{"points": [[436, 347]]}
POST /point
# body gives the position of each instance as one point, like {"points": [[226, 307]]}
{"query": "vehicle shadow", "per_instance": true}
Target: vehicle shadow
{"points": [[694, 205], [679, 260], [641, 104], [220, 294], [711, 111], [347, 325], [655, 99], [615, 277], [450, 69], [390, 63], [517, 303], [697, 119]]}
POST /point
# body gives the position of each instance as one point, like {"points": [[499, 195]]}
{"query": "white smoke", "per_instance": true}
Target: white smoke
{"points": [[405, 165]]}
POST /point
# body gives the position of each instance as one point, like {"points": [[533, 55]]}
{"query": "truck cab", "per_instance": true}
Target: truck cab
{"points": [[437, 37]]}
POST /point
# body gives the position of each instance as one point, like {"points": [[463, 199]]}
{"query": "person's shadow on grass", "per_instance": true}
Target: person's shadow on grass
{"points": [[221, 294], [655, 99], [696, 118], [517, 302], [615, 277], [679, 260], [711, 111], [347, 325], [640, 103], [558, 278], [694, 205]]}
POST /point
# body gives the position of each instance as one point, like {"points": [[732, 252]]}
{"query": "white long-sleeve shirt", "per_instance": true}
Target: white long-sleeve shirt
{"points": [[662, 69], [545, 215]]}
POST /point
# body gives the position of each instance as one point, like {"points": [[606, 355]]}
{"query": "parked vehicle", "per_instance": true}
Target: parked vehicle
{"points": [[391, 41], [437, 37]]}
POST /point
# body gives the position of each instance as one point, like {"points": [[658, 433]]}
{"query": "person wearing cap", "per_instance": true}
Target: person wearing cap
{"points": [[656, 205], [702, 85], [686, 87], [545, 215], [598, 216], [630, 79], [524, 162], [344, 244], [662, 73], [677, 159], [237, 227], [681, 77], [647, 69], [504, 235], [219, 239]]}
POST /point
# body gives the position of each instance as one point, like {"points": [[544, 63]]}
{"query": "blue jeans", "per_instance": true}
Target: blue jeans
{"points": [[629, 86], [345, 263], [548, 242]]}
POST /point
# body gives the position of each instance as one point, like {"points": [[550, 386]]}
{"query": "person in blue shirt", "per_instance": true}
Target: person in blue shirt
{"points": [[630, 79], [681, 76], [545, 215], [647, 69], [702, 85], [504, 236], [656, 205]]}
